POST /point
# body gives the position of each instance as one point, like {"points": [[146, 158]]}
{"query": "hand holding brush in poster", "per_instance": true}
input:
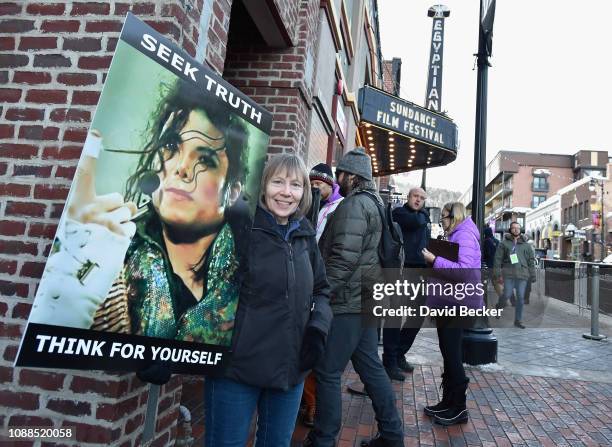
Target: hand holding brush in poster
{"points": [[150, 244]]}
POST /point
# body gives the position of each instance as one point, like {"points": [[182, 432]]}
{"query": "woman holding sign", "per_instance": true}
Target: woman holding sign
{"points": [[461, 230], [282, 319]]}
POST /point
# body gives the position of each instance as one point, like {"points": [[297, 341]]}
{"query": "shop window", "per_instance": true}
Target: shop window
{"points": [[338, 150], [587, 209]]}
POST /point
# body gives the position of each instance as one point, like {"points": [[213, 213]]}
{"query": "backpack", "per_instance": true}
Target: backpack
{"points": [[391, 246]]}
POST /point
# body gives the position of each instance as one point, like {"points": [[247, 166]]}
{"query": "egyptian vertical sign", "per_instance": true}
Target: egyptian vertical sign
{"points": [[433, 97], [146, 262]]}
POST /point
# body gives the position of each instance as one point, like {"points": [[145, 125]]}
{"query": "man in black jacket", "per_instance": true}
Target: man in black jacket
{"points": [[349, 246], [415, 224]]}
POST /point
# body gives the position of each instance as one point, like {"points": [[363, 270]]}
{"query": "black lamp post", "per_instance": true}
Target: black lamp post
{"points": [[479, 343], [485, 39]]}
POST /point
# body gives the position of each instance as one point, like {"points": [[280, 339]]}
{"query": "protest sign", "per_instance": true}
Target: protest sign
{"points": [[146, 262]]}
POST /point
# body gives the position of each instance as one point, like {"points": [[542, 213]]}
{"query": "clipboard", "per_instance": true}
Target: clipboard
{"points": [[447, 250]]}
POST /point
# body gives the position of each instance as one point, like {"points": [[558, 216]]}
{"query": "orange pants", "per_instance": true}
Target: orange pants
{"points": [[309, 395]]}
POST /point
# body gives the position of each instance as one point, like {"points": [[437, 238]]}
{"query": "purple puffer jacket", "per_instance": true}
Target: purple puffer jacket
{"points": [[466, 270]]}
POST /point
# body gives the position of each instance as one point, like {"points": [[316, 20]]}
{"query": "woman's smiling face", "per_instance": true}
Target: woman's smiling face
{"points": [[283, 194]]}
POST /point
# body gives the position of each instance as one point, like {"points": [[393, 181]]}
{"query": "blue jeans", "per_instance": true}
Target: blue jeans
{"points": [[520, 285], [348, 340], [229, 407]]}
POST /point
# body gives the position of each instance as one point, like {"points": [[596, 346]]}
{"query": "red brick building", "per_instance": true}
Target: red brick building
{"points": [[519, 181], [303, 60]]}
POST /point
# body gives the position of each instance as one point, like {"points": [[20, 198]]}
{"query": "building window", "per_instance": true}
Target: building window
{"points": [[587, 209], [536, 200], [539, 184], [594, 173]]}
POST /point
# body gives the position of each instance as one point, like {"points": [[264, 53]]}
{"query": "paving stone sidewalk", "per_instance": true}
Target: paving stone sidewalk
{"points": [[505, 410], [551, 346], [550, 387]]}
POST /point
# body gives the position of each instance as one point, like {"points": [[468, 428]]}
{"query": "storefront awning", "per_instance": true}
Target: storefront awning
{"points": [[401, 136]]}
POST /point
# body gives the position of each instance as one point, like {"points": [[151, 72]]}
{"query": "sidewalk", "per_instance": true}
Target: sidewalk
{"points": [[551, 346], [550, 387], [505, 410]]}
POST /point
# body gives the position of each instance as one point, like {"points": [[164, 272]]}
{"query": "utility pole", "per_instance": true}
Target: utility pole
{"points": [[433, 95]]}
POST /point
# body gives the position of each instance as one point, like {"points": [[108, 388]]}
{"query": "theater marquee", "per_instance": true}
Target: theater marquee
{"points": [[402, 136]]}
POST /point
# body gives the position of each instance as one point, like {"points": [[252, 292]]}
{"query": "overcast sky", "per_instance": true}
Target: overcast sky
{"points": [[549, 84]]}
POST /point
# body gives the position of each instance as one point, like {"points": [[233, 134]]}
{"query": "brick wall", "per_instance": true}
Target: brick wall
{"points": [[281, 80], [388, 81], [217, 34], [53, 60]]}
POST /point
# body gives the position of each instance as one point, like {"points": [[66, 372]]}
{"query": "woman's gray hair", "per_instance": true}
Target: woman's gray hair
{"points": [[293, 165]]}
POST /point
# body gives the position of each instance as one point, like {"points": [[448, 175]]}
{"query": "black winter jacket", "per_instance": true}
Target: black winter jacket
{"points": [[490, 246], [284, 290], [349, 246], [416, 233]]}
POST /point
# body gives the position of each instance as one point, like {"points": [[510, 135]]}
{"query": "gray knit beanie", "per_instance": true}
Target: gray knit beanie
{"points": [[356, 162]]}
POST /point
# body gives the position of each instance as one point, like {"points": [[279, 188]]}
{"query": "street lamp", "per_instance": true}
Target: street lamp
{"points": [[479, 343], [593, 183]]}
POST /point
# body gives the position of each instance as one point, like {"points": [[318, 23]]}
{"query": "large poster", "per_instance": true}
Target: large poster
{"points": [[146, 262]]}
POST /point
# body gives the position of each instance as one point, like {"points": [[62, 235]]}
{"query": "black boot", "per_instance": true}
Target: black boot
{"points": [[379, 441], [404, 365], [444, 404], [395, 374], [457, 413]]}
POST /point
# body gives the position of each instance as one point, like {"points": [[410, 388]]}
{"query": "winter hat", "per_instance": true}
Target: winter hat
{"points": [[322, 172], [356, 162]]}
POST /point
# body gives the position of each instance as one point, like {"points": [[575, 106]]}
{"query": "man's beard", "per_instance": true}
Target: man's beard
{"points": [[345, 186]]}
